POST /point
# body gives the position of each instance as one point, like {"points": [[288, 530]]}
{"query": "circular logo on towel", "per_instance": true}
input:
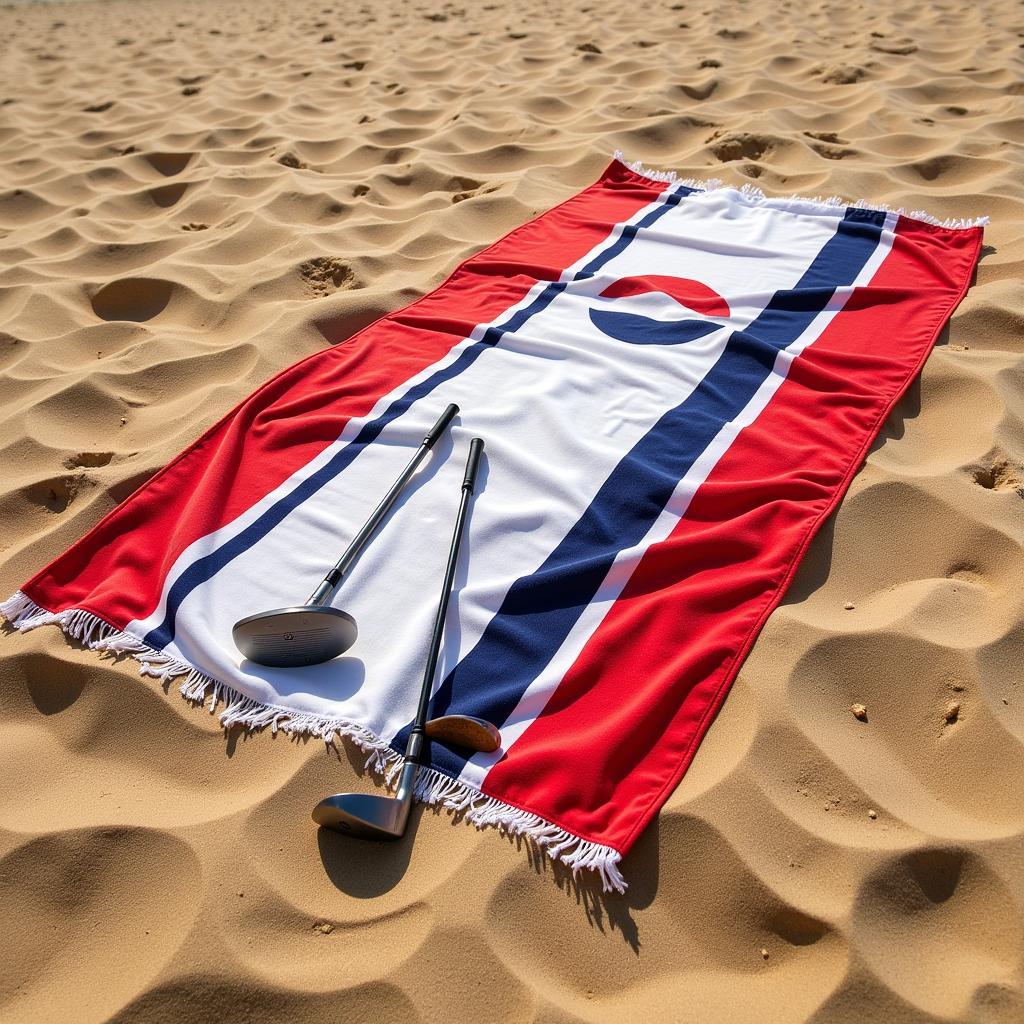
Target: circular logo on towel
{"points": [[635, 329]]}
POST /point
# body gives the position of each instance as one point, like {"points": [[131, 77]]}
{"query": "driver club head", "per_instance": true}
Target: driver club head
{"points": [[367, 816], [288, 637]]}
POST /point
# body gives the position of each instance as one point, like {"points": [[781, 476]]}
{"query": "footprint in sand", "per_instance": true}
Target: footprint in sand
{"points": [[998, 474], [326, 274], [741, 146], [57, 493]]}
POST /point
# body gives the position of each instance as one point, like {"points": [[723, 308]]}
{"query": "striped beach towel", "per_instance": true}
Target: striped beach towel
{"points": [[676, 383]]}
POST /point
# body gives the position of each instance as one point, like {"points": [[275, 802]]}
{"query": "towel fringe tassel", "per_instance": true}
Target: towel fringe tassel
{"points": [[756, 195], [432, 787]]}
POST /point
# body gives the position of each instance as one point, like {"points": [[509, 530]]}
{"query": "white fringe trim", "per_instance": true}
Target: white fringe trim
{"points": [[432, 787], [755, 194]]}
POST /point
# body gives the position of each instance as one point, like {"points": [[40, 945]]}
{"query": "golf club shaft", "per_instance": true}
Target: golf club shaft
{"points": [[414, 748], [323, 593]]}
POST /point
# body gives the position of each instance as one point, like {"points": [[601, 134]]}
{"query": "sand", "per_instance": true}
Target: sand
{"points": [[194, 195]]}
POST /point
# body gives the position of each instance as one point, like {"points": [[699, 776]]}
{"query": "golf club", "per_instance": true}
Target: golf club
{"points": [[465, 731], [384, 817], [314, 632]]}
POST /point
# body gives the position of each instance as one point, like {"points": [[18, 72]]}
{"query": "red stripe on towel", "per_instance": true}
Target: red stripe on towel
{"points": [[661, 663]]}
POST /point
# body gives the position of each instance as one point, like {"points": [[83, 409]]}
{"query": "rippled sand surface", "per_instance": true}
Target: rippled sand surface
{"points": [[193, 195]]}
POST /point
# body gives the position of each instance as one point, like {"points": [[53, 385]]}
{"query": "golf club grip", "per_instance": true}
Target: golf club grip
{"points": [[414, 748], [323, 593], [441, 425], [476, 449]]}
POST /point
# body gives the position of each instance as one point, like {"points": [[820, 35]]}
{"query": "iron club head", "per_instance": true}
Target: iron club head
{"points": [[367, 816], [287, 637]]}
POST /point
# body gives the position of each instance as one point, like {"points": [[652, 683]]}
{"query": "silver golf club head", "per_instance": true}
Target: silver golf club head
{"points": [[306, 634], [379, 817], [367, 816]]}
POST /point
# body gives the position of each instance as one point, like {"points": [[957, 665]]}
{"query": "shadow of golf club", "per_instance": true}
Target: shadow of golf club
{"points": [[364, 868], [368, 869]]}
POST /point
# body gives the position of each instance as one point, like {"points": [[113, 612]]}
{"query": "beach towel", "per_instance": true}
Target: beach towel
{"points": [[676, 382]]}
